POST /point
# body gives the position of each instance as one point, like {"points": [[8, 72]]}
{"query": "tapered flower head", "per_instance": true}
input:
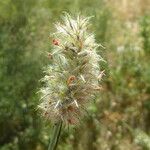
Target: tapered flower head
{"points": [[72, 80]]}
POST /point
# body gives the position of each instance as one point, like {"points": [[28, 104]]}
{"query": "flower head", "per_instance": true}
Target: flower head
{"points": [[73, 78]]}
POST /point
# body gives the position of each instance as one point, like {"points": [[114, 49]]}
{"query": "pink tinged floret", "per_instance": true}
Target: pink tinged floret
{"points": [[56, 42]]}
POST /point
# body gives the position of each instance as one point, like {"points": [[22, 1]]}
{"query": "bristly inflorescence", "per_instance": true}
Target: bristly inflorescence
{"points": [[73, 77]]}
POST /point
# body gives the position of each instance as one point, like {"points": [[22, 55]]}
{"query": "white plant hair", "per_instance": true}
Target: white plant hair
{"points": [[72, 79]]}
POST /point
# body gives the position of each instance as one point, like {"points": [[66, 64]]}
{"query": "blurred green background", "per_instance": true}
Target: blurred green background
{"points": [[120, 117]]}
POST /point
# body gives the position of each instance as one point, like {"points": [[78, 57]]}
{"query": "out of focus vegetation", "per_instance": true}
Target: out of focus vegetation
{"points": [[120, 117]]}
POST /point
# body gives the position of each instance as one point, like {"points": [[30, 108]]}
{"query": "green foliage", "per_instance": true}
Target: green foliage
{"points": [[18, 75], [145, 33], [119, 116]]}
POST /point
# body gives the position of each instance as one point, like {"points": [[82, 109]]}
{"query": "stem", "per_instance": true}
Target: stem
{"points": [[55, 136]]}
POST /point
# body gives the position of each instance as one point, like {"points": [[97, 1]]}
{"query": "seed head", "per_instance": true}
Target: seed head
{"points": [[73, 78]]}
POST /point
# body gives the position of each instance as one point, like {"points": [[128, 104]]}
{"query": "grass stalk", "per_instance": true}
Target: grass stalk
{"points": [[55, 136]]}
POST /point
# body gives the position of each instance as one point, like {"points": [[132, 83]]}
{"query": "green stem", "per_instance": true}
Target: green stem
{"points": [[55, 136]]}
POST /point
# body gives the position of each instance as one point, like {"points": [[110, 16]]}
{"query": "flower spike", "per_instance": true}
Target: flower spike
{"points": [[73, 78]]}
